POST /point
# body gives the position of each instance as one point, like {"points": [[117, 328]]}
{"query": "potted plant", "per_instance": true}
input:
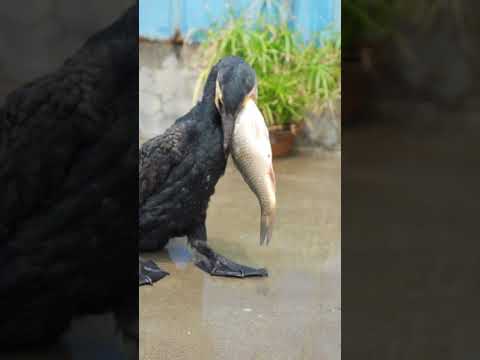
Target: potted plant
{"points": [[291, 75]]}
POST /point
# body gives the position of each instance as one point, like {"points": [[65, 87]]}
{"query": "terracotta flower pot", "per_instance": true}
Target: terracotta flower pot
{"points": [[282, 138]]}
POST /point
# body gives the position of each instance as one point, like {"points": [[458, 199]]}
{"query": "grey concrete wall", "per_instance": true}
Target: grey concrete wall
{"points": [[323, 128], [167, 80]]}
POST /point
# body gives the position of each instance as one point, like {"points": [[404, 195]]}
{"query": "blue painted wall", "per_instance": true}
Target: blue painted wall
{"points": [[160, 18]]}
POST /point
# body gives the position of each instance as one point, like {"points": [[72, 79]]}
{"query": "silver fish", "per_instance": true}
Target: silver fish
{"points": [[252, 155]]}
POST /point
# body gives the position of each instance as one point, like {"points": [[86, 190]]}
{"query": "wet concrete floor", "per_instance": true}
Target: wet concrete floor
{"points": [[292, 314]]}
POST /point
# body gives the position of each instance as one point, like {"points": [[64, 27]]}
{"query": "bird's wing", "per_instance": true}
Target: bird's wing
{"points": [[164, 158]]}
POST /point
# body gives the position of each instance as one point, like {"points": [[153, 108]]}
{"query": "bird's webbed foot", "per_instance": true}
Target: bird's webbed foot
{"points": [[217, 265], [149, 272]]}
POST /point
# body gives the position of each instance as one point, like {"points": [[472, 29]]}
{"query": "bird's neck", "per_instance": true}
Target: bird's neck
{"points": [[209, 125], [208, 115]]}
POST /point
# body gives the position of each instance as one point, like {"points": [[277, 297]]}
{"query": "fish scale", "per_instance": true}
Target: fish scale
{"points": [[251, 152]]}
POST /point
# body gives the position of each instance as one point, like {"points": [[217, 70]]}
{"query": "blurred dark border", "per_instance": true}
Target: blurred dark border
{"points": [[410, 175], [36, 39]]}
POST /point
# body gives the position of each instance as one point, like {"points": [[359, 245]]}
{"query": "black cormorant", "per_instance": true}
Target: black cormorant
{"points": [[178, 171]]}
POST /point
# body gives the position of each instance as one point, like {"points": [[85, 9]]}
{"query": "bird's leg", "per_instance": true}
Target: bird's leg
{"points": [[149, 272], [215, 264]]}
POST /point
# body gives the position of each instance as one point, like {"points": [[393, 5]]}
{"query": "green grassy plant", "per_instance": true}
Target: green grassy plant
{"points": [[292, 76]]}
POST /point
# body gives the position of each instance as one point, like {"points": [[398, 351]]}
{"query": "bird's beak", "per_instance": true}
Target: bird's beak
{"points": [[228, 122], [252, 154]]}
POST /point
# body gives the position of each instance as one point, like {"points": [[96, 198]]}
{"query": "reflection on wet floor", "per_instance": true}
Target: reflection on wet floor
{"points": [[292, 314]]}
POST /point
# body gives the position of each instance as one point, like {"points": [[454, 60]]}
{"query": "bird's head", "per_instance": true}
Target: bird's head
{"points": [[235, 84]]}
